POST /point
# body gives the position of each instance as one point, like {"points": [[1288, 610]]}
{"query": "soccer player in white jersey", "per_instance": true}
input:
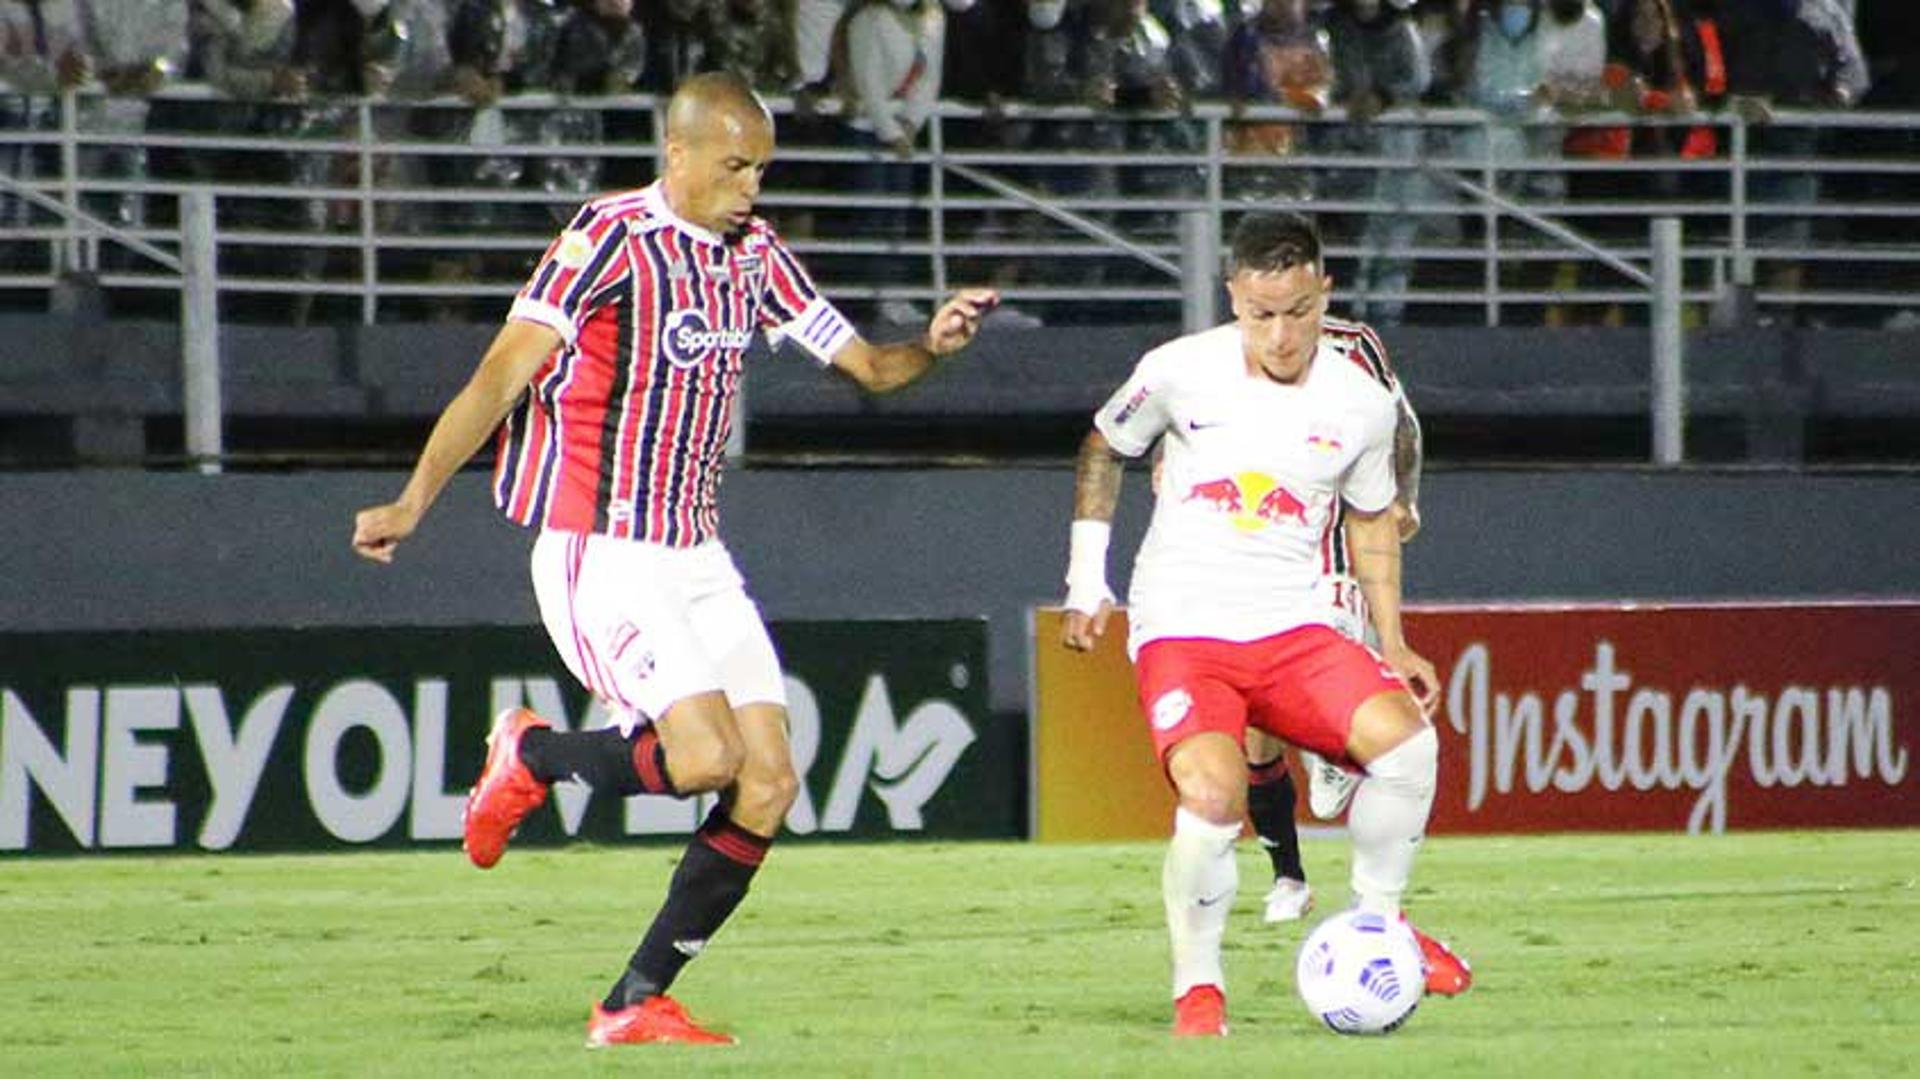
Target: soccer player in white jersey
{"points": [[1271, 793], [611, 387], [1272, 438]]}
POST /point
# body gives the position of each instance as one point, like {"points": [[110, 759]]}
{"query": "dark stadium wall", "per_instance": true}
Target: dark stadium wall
{"points": [[128, 550]]}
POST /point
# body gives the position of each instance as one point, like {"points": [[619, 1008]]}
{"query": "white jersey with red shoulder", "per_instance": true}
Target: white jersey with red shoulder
{"points": [[1246, 520], [624, 428]]}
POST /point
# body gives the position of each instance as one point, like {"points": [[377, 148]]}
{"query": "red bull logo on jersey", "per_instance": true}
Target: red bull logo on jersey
{"points": [[689, 341], [1253, 500]]}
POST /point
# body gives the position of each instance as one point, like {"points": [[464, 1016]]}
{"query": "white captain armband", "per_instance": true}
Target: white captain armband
{"points": [[820, 329]]}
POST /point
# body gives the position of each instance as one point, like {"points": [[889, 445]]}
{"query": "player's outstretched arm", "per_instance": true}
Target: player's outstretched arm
{"points": [[883, 368], [1096, 493], [517, 352], [1375, 539]]}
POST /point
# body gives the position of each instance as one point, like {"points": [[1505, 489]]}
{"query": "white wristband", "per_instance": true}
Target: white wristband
{"points": [[1087, 566]]}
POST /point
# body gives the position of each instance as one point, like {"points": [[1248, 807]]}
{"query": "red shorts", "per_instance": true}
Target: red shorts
{"points": [[1302, 685]]}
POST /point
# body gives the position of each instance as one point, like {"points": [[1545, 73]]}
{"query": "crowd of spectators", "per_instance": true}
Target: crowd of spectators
{"points": [[286, 67]]}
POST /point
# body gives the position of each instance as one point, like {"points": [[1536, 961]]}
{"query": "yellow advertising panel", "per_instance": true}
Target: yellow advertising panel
{"points": [[1094, 773]]}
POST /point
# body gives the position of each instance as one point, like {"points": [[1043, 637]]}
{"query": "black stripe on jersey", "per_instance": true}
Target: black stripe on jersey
{"points": [[618, 296], [1340, 557], [546, 394], [1376, 360], [610, 246], [652, 245], [1367, 344], [793, 274], [701, 283], [516, 444]]}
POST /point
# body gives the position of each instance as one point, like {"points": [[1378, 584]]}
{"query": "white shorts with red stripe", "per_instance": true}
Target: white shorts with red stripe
{"points": [[643, 626]]}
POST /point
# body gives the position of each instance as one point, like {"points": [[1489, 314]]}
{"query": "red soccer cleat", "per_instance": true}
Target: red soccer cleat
{"points": [[1447, 974], [506, 792], [1202, 1013], [657, 1019]]}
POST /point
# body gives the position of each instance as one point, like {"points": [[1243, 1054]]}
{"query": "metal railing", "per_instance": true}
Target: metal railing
{"points": [[374, 210]]}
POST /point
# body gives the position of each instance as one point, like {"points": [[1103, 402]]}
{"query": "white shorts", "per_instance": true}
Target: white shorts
{"points": [[643, 626]]}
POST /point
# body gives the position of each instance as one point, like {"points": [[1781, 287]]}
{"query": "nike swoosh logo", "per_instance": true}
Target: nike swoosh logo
{"points": [[1208, 901], [1201, 425]]}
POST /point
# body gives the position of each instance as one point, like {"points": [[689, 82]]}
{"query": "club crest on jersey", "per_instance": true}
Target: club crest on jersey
{"points": [[1324, 438], [1170, 708], [689, 341]]}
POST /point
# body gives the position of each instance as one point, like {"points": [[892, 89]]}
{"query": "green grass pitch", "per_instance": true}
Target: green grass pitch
{"points": [[1774, 954]]}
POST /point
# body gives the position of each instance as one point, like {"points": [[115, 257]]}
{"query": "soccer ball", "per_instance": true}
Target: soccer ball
{"points": [[1361, 973]]}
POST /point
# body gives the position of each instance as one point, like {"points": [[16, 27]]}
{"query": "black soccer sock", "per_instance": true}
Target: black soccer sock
{"points": [[603, 759], [709, 883], [1270, 799]]}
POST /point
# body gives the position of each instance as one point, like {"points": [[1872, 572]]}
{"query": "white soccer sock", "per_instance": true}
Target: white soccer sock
{"points": [[1198, 882], [1389, 819]]}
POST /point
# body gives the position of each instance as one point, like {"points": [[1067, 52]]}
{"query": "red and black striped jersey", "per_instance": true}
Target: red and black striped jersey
{"points": [[624, 429], [1358, 342]]}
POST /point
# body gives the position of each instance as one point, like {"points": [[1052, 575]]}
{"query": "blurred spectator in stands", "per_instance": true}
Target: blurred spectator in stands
{"points": [[330, 52], [1446, 35], [671, 31], [34, 68], [1199, 30], [1573, 55], [243, 49], [816, 28], [1058, 70], [1380, 63], [895, 53], [1508, 80], [405, 58], [752, 38], [125, 49], [983, 52], [600, 50], [1889, 30], [501, 48], [1573, 79], [1281, 56], [983, 69], [1789, 54], [1141, 77]]}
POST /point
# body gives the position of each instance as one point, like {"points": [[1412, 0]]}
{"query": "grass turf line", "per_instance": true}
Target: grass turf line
{"points": [[1772, 954]]}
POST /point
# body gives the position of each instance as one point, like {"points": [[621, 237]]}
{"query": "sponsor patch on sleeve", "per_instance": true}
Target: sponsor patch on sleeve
{"points": [[574, 249]]}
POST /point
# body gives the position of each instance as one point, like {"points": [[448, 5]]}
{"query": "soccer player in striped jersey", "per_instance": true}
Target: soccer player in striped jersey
{"points": [[1274, 444], [611, 387], [1271, 792]]}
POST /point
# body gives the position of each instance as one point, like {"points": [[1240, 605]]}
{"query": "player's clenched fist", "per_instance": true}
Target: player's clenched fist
{"points": [[379, 529]]}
